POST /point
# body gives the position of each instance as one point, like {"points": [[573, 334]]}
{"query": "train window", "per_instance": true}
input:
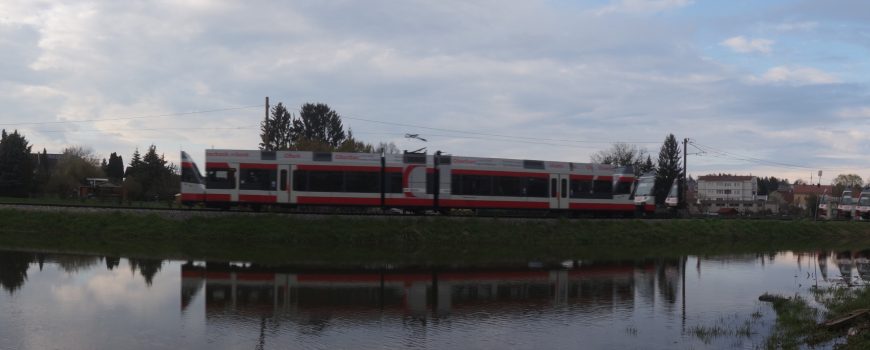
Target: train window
{"points": [[283, 180], [536, 187], [300, 180], [267, 155], [257, 179], [510, 186], [444, 160], [393, 182], [325, 181], [581, 189], [430, 183], [553, 188], [191, 174], [220, 178], [362, 181], [602, 188], [622, 187], [564, 188], [455, 184], [533, 164], [322, 156], [477, 185]]}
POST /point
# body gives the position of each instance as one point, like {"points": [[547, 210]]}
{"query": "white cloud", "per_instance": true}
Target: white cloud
{"points": [[743, 45], [794, 76], [642, 6]]}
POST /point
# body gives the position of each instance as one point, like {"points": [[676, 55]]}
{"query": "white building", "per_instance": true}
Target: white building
{"points": [[718, 192]]}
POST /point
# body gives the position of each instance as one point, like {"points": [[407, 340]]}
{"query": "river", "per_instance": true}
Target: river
{"points": [[68, 301]]}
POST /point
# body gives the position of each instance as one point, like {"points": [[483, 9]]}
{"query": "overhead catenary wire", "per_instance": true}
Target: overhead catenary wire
{"points": [[131, 117]]}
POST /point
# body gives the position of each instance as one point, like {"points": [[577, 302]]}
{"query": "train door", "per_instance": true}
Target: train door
{"points": [[284, 183], [234, 194], [559, 191]]}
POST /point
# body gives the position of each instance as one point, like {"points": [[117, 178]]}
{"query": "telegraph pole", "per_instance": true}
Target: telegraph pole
{"points": [[681, 200], [267, 108]]}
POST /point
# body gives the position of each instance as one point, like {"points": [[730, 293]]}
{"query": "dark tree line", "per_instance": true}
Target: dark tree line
{"points": [[24, 174]]}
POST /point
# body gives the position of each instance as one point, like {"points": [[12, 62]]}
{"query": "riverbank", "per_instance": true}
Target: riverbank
{"points": [[416, 240]]}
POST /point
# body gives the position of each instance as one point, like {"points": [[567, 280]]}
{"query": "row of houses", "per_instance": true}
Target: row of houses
{"points": [[731, 194]]}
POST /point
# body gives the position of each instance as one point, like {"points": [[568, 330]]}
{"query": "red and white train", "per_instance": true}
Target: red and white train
{"points": [[411, 181]]}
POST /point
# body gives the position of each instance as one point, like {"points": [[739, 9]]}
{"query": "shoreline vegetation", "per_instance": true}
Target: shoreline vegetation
{"points": [[346, 240]]}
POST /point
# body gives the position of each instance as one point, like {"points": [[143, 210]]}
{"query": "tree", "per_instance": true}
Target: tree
{"points": [[276, 131], [115, 168], [646, 166], [16, 165], [75, 165], [846, 181], [318, 124], [150, 176], [669, 168], [42, 173], [387, 148], [622, 154]]}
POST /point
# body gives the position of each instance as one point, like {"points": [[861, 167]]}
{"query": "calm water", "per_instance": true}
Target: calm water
{"points": [[57, 301]]}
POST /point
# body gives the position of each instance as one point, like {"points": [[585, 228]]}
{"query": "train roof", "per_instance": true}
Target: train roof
{"points": [[256, 156]]}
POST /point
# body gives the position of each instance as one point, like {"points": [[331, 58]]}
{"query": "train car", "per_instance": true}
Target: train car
{"points": [[846, 207], [644, 194], [862, 207], [672, 200], [412, 181]]}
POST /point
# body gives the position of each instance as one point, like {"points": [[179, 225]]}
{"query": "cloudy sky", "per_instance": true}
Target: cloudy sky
{"points": [[768, 88]]}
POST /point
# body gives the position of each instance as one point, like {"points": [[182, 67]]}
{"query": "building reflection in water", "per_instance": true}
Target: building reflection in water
{"points": [[255, 292]]}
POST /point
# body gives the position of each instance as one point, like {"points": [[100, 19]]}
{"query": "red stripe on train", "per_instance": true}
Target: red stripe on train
{"points": [[217, 165], [192, 197], [602, 206], [218, 197], [257, 198]]}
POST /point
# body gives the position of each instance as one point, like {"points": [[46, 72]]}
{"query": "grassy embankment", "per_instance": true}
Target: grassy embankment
{"points": [[411, 240]]}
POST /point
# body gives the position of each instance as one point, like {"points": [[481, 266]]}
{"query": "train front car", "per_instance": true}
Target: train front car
{"points": [[846, 208], [644, 194], [192, 182], [672, 199], [862, 208]]}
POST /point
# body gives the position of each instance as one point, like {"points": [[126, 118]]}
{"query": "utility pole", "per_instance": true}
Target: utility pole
{"points": [[267, 108], [681, 194]]}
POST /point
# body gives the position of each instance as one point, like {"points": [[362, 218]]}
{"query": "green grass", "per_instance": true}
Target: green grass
{"points": [[424, 240]]}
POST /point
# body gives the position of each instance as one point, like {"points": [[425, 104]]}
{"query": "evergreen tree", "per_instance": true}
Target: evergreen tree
{"points": [[276, 131], [115, 168], [16, 165], [669, 168], [318, 124], [647, 166]]}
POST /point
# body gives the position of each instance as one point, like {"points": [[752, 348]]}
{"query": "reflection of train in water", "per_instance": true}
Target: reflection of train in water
{"points": [[253, 290], [413, 181]]}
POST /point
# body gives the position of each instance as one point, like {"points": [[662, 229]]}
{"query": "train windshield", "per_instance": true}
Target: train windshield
{"points": [[673, 192], [847, 198], [865, 199], [645, 186]]}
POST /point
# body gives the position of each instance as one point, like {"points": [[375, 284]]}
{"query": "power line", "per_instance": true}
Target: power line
{"points": [[130, 118], [489, 134], [145, 129]]}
